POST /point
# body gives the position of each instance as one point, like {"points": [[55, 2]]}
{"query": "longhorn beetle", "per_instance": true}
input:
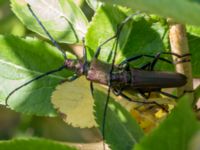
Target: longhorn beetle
{"points": [[118, 78]]}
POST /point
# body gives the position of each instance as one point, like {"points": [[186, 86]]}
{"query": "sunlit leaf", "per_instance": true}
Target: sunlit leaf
{"points": [[21, 60], [62, 18], [144, 34], [73, 100], [94, 4], [185, 11]]}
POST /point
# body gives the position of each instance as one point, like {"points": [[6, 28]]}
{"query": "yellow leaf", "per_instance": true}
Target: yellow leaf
{"points": [[160, 114], [74, 101]]}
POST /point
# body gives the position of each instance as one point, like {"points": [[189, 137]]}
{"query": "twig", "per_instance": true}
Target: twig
{"points": [[179, 45], [89, 146]]}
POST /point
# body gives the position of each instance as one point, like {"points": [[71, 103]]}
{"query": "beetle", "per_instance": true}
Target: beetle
{"points": [[121, 77], [117, 77]]}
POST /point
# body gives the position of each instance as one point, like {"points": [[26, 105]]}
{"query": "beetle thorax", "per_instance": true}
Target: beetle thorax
{"points": [[75, 65]]}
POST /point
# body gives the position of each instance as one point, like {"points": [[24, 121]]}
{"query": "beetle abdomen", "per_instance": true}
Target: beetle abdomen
{"points": [[156, 79]]}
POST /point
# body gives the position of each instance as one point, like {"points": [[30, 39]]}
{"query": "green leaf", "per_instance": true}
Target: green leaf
{"points": [[63, 19], [175, 132], [194, 50], [102, 27], [94, 4], [143, 34], [193, 41], [2, 2], [33, 144], [186, 11], [121, 130], [193, 30], [20, 61]]}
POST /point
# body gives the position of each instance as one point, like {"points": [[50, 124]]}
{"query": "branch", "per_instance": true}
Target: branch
{"points": [[179, 45]]}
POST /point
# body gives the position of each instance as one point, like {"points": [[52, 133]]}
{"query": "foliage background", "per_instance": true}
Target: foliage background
{"points": [[14, 125]]}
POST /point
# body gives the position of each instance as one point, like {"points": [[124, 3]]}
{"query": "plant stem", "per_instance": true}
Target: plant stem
{"points": [[179, 45], [89, 146]]}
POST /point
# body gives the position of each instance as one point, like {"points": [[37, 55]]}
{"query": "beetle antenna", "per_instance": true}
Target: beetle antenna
{"points": [[115, 47], [46, 32], [120, 26], [30, 81]]}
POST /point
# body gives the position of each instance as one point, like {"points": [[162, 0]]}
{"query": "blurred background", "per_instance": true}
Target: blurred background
{"points": [[14, 124]]}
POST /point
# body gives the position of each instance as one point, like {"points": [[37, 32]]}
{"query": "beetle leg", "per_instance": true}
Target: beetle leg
{"points": [[70, 79], [117, 92], [91, 88], [143, 94], [168, 94], [146, 66], [134, 58], [143, 102], [173, 96], [157, 57]]}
